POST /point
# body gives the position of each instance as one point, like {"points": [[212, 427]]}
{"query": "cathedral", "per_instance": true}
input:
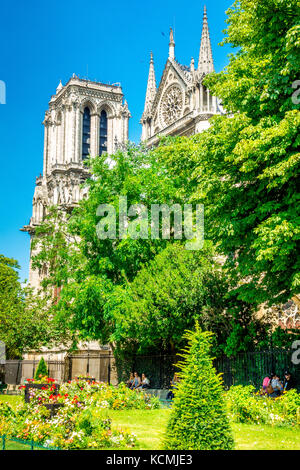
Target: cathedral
{"points": [[87, 118], [181, 105]]}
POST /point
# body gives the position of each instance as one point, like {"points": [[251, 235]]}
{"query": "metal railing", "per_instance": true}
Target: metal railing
{"points": [[9, 443], [242, 369]]}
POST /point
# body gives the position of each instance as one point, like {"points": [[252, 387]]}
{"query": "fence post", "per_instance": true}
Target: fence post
{"points": [[31, 445], [108, 371], [3, 442], [160, 371], [18, 378], [70, 367]]}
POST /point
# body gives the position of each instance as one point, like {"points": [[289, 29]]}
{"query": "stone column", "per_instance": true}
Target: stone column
{"points": [[58, 141], [46, 153], [126, 128], [201, 98], [77, 156], [94, 134], [73, 132], [215, 104], [67, 135], [208, 100], [62, 135], [52, 143]]}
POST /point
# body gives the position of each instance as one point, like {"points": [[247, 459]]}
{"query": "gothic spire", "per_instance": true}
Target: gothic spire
{"points": [[171, 45], [205, 64], [151, 86]]}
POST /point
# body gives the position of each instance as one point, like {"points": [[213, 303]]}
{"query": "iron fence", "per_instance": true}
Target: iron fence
{"points": [[244, 368], [252, 367]]}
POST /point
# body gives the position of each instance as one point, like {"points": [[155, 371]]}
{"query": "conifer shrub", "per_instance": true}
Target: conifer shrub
{"points": [[42, 369], [198, 418]]}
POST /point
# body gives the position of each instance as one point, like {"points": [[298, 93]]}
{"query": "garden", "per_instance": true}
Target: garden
{"points": [[73, 416], [124, 419], [86, 414]]}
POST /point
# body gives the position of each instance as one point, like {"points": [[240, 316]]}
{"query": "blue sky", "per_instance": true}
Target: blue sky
{"points": [[43, 42]]}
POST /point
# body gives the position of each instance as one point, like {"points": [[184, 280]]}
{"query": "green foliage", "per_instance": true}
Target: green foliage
{"points": [[249, 163], [245, 405], [139, 294], [245, 167], [284, 338], [24, 313], [258, 80], [198, 418], [42, 369], [168, 294]]}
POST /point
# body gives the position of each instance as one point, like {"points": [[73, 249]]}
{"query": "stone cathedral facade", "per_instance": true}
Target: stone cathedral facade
{"points": [[181, 105], [84, 118]]}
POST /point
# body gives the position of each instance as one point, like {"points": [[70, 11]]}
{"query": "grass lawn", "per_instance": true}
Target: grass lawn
{"points": [[149, 427], [11, 399]]}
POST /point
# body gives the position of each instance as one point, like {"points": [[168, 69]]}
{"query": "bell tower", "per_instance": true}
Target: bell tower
{"points": [[84, 119]]}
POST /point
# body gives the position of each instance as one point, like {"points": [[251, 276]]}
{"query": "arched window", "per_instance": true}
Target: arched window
{"points": [[86, 133], [103, 133]]}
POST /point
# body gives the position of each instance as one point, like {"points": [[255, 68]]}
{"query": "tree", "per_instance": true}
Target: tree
{"points": [[90, 268], [25, 321], [198, 418], [245, 167], [42, 369], [168, 294], [249, 163]]}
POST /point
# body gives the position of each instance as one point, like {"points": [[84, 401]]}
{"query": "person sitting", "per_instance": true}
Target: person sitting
{"points": [[288, 383], [266, 383], [130, 380], [277, 387], [136, 381], [173, 383], [145, 383]]}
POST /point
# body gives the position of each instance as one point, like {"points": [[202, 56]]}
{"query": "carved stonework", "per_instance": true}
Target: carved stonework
{"points": [[180, 93], [171, 105]]}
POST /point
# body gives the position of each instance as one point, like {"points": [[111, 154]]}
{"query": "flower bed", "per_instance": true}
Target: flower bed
{"points": [[81, 423], [31, 389], [246, 406]]}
